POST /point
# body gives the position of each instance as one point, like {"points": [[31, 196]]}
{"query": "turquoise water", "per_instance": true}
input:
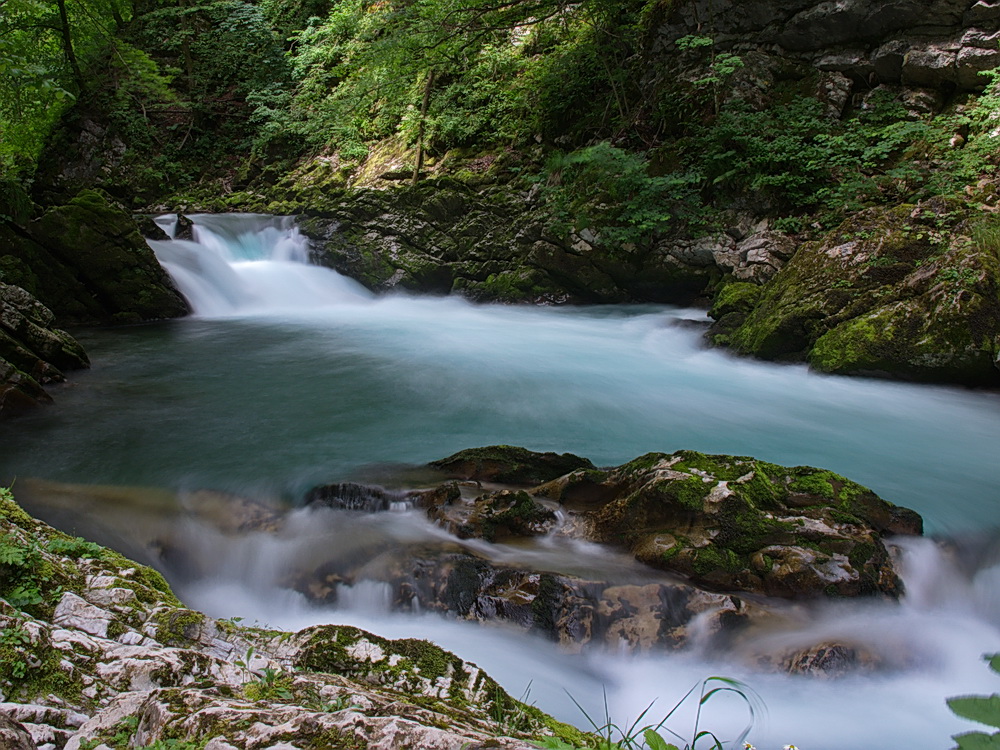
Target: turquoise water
{"points": [[291, 375]]}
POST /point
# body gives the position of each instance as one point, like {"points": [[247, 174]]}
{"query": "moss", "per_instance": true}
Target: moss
{"points": [[861, 554], [178, 627], [815, 482], [643, 463], [744, 529], [510, 464], [738, 297], [710, 559], [430, 660]]}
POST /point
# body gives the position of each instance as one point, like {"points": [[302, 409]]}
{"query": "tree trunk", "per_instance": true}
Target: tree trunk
{"points": [[420, 126], [67, 44]]}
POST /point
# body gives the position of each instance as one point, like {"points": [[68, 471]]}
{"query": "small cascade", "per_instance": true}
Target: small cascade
{"points": [[249, 264]]}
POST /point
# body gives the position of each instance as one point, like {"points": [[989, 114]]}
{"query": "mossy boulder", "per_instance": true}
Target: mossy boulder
{"points": [[102, 246], [734, 523], [508, 464], [33, 352], [911, 291], [494, 516], [87, 262]]}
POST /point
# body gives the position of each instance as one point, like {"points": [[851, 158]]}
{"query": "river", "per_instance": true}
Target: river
{"points": [[290, 375]]}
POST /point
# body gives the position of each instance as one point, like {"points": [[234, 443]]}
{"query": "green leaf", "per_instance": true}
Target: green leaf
{"points": [[994, 662], [656, 742], [982, 708], [977, 741]]}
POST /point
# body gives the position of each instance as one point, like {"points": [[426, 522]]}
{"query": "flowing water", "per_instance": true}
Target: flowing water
{"points": [[290, 375]]}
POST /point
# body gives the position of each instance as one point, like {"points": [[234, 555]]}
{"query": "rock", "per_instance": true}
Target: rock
{"points": [[351, 496], [736, 524], [102, 247], [122, 659], [509, 465], [494, 516], [32, 351], [149, 228], [901, 292], [13, 736]]}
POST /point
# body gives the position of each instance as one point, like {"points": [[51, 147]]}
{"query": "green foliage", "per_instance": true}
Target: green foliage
{"points": [[270, 685], [21, 572], [608, 735], [74, 547], [609, 190], [984, 709]]}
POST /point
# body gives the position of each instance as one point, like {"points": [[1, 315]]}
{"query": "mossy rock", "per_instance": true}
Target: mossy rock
{"points": [[734, 523], [508, 464], [904, 292], [94, 248]]}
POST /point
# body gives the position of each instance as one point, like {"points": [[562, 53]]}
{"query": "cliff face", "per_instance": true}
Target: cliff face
{"points": [[941, 44]]}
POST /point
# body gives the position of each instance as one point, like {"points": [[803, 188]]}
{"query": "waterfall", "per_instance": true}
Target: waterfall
{"points": [[248, 264]]}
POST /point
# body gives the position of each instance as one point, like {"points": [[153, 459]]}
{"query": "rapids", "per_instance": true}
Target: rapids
{"points": [[290, 375]]}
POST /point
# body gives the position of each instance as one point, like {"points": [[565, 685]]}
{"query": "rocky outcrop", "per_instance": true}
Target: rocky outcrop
{"points": [[733, 523], [33, 352], [936, 45], [496, 244], [97, 652], [911, 291], [88, 263]]}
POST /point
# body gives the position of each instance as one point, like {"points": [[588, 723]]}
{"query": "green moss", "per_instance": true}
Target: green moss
{"points": [[738, 297], [178, 627], [710, 559]]}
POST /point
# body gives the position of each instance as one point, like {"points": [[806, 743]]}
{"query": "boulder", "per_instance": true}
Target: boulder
{"points": [[32, 351], [904, 292], [102, 247], [731, 523], [509, 464]]}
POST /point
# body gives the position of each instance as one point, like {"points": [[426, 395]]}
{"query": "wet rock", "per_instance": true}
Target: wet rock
{"points": [[121, 658], [493, 516], [508, 464], [351, 496], [830, 660], [737, 524], [578, 613], [149, 228], [32, 351]]}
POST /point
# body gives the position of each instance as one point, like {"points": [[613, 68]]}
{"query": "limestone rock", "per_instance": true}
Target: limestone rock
{"points": [[120, 658], [13, 736], [901, 292]]}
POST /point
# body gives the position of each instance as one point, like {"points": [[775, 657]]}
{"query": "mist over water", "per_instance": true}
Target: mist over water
{"points": [[290, 376]]}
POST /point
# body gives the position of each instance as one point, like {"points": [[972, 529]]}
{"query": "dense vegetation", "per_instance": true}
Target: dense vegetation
{"points": [[620, 132]]}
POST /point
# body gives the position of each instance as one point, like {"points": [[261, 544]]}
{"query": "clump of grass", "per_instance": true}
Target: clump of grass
{"points": [[609, 735]]}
